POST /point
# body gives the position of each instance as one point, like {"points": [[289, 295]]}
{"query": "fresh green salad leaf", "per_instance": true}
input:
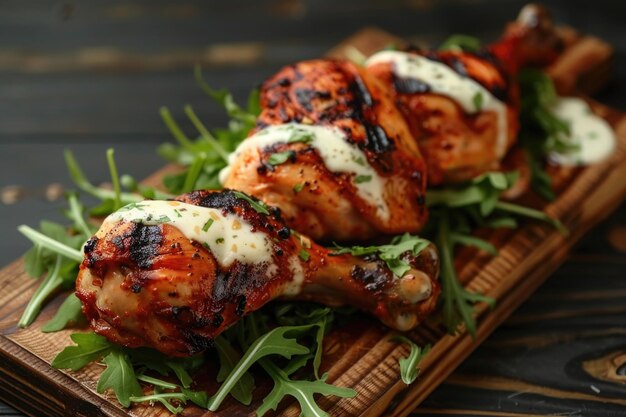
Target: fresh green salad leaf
{"points": [[208, 154], [541, 132], [257, 205], [457, 210], [57, 253], [279, 341], [280, 157], [390, 253], [229, 358], [89, 347], [302, 390], [461, 43], [119, 376], [70, 312], [409, 366]]}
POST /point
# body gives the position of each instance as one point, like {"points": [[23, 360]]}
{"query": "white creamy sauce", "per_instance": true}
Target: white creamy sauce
{"points": [[228, 237], [445, 81], [338, 155], [592, 137], [297, 276]]}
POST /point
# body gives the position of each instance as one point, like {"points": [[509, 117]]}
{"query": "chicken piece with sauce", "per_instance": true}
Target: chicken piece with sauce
{"points": [[332, 150], [172, 275], [462, 107]]}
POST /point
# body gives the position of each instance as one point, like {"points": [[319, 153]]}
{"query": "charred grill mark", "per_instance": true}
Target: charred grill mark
{"points": [[377, 140], [197, 343], [284, 233], [410, 86], [218, 320], [90, 245], [362, 93], [230, 288], [499, 92], [91, 258], [242, 301], [373, 279], [118, 242], [304, 97], [145, 242], [458, 66]]}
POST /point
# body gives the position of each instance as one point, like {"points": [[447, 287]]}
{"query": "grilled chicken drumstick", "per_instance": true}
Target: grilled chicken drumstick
{"points": [[173, 275], [332, 150], [463, 107]]}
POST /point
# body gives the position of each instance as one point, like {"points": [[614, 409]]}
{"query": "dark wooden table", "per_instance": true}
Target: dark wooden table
{"points": [[91, 75]]}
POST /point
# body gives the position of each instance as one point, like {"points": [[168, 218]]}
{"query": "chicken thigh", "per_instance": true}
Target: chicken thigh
{"points": [[462, 107], [332, 150]]}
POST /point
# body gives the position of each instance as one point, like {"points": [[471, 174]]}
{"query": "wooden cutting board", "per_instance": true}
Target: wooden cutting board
{"points": [[361, 356]]}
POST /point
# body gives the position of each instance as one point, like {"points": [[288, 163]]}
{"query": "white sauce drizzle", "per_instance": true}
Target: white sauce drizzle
{"points": [[592, 137], [338, 155], [447, 82], [228, 237], [295, 267]]}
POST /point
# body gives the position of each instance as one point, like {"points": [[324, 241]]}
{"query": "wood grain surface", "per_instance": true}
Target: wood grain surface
{"points": [[590, 361]]}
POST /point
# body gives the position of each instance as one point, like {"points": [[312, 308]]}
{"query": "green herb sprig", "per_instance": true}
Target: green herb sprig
{"points": [[208, 154], [455, 212], [541, 132], [125, 367], [390, 253], [409, 366]]}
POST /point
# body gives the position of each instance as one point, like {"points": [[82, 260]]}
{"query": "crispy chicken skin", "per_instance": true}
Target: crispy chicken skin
{"points": [[149, 285], [338, 94], [457, 145]]}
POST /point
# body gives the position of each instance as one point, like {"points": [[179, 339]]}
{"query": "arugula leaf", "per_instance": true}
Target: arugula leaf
{"points": [[541, 132], [57, 253], [455, 212], [279, 341], [89, 347], [258, 206], [390, 253], [208, 154], [119, 376], [409, 366], [303, 391], [457, 301], [109, 198], [164, 398], [76, 214], [461, 43], [229, 358], [70, 312]]}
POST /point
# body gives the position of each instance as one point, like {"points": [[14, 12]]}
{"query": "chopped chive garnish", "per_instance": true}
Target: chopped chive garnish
{"points": [[478, 101], [304, 255], [258, 206], [208, 224], [280, 157], [362, 178]]}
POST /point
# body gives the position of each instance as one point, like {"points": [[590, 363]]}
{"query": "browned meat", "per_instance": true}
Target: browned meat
{"points": [[151, 285], [458, 144], [329, 206]]}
